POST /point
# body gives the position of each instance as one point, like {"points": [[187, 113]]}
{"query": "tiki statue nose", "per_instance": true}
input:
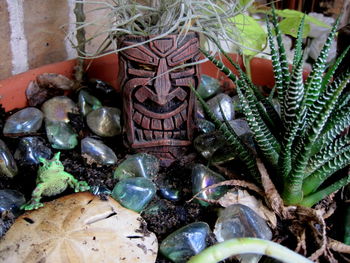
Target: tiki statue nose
{"points": [[162, 83]]}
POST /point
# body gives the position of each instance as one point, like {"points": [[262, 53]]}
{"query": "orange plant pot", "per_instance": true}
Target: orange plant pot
{"points": [[12, 90]]}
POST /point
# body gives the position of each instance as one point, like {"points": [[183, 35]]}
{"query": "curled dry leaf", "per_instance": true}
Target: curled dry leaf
{"points": [[244, 198], [79, 228]]}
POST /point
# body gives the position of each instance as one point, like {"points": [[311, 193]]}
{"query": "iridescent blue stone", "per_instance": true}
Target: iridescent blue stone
{"points": [[57, 109], [61, 135], [185, 242], [134, 193], [225, 102], [11, 201], [138, 165], [25, 121], [208, 86], [30, 149], [8, 166], [170, 193], [203, 177], [105, 121], [238, 221], [95, 151], [100, 190], [205, 126], [87, 102]]}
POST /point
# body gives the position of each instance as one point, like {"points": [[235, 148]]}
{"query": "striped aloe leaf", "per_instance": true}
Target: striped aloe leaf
{"points": [[298, 53]]}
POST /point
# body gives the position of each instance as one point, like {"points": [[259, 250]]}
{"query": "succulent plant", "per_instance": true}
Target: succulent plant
{"points": [[303, 146]]}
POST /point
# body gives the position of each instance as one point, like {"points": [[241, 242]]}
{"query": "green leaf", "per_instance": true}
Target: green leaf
{"points": [[251, 34], [290, 25], [296, 14]]}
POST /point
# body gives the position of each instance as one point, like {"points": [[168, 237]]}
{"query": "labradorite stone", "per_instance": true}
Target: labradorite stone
{"points": [[138, 165], [205, 126], [57, 109], [95, 151], [30, 149], [8, 166], [87, 102], [134, 193], [105, 121], [225, 102], [11, 201], [203, 177], [237, 221], [100, 190], [61, 135], [206, 144], [185, 242], [170, 193], [25, 121], [208, 87]]}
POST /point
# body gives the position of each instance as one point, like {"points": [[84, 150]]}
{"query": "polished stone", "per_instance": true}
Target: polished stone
{"points": [[185, 242], [203, 177], [205, 126], [170, 193], [11, 201], [100, 190], [25, 121], [225, 102], [206, 144], [53, 80], [238, 221], [240, 126], [95, 151], [134, 193], [223, 155], [87, 102], [138, 165], [105, 121], [8, 166], [57, 108], [61, 135], [208, 86], [30, 149]]}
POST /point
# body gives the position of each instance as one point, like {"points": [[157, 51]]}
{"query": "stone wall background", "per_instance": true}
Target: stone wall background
{"points": [[32, 32]]}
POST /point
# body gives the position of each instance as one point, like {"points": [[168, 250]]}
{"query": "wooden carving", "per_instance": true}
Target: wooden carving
{"points": [[158, 105]]}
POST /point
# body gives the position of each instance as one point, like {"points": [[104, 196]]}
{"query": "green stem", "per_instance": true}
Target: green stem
{"points": [[237, 246]]}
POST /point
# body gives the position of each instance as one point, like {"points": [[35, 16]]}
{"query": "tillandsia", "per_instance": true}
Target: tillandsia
{"points": [[159, 18], [304, 145]]}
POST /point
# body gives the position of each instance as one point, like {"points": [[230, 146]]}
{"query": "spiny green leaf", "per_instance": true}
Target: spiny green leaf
{"points": [[298, 53]]}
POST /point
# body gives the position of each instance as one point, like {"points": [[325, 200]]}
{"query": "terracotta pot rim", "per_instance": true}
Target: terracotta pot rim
{"points": [[190, 33]]}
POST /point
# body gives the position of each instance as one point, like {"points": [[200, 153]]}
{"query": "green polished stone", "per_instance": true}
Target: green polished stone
{"points": [[105, 121], [138, 165], [203, 177], [185, 242], [205, 126], [206, 144], [208, 87], [134, 193], [61, 135], [87, 102]]}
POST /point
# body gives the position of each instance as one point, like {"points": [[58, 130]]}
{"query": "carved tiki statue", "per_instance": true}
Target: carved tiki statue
{"points": [[158, 104]]}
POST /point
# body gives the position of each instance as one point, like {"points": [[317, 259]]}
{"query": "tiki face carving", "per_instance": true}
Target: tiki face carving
{"points": [[158, 105]]}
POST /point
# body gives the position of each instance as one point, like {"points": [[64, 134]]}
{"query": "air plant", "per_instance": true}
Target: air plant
{"points": [[303, 146], [210, 18]]}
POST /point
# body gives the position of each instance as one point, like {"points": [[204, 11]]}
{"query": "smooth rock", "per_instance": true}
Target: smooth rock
{"points": [[11, 201], [25, 121], [37, 95], [8, 166], [240, 126], [87, 102], [57, 108], [224, 154], [134, 193], [185, 242], [205, 126], [206, 144], [95, 151], [203, 177], [61, 135], [225, 102], [100, 190], [104, 88], [208, 86], [170, 193], [138, 165], [237, 221], [53, 80], [155, 208], [105, 121], [30, 149]]}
